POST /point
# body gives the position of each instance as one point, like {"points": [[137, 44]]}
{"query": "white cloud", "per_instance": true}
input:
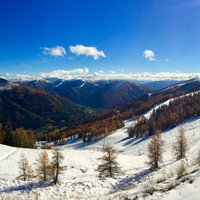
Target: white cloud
{"points": [[146, 76], [65, 74], [149, 54], [57, 51], [87, 51], [62, 74], [84, 73], [166, 59]]}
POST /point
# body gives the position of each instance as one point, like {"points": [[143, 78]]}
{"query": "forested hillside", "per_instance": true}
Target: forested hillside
{"points": [[168, 116], [23, 106]]}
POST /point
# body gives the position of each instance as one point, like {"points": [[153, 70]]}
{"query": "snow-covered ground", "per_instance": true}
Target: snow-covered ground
{"points": [[148, 114], [81, 180]]}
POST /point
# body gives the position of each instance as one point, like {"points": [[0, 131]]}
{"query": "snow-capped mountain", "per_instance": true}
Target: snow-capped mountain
{"points": [[191, 85], [99, 94], [157, 85], [28, 107]]}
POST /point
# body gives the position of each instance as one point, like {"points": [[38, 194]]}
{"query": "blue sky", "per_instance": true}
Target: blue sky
{"points": [[122, 36]]}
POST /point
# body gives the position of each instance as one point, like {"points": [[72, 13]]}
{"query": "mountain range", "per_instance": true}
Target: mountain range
{"points": [[55, 102], [34, 108], [98, 95]]}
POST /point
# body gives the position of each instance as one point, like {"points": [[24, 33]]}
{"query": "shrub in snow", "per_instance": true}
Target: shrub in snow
{"points": [[181, 169]]}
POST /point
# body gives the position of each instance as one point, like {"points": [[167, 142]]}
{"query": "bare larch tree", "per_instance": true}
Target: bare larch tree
{"points": [[155, 151], [109, 165], [44, 167], [25, 171], [57, 160], [180, 146]]}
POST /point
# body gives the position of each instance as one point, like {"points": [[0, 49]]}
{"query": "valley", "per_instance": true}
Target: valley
{"points": [[81, 180], [99, 100]]}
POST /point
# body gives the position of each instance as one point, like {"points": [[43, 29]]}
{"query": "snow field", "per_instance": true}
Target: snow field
{"points": [[81, 181]]}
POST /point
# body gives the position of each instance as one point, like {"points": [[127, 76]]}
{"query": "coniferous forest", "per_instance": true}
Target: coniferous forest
{"points": [[169, 116]]}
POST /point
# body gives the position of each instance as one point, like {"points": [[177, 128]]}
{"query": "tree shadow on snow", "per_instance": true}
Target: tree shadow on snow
{"points": [[26, 187], [72, 141], [87, 144], [131, 140], [135, 141], [128, 181], [123, 139], [141, 140]]}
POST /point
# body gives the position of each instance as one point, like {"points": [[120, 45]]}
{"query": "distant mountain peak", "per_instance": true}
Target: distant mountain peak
{"points": [[95, 94], [6, 85], [3, 81]]}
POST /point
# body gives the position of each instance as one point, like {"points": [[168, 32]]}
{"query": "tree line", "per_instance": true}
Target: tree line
{"points": [[168, 116], [92, 130], [102, 125], [105, 123], [18, 137]]}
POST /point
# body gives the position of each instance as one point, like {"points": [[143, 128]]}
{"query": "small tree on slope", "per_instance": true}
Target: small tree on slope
{"points": [[57, 160], [8, 138], [25, 170], [155, 151], [44, 167], [180, 146], [109, 166], [198, 157]]}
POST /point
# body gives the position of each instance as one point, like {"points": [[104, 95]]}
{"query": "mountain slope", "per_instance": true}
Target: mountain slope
{"points": [[81, 180], [181, 87], [100, 94], [33, 108], [157, 85]]}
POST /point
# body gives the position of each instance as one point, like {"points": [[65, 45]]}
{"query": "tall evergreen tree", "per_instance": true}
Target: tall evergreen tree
{"points": [[2, 134], [8, 140]]}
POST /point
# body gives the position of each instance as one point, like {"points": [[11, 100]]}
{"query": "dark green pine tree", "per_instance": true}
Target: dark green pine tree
{"points": [[8, 140]]}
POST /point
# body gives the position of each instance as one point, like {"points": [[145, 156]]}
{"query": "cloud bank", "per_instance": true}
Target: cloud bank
{"points": [[84, 73], [87, 51]]}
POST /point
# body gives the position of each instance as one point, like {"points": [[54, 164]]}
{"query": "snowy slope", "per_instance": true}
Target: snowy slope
{"points": [[81, 181], [148, 114], [185, 191]]}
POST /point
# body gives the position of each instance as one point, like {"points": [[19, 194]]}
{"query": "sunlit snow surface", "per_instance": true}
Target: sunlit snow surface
{"points": [[81, 180]]}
